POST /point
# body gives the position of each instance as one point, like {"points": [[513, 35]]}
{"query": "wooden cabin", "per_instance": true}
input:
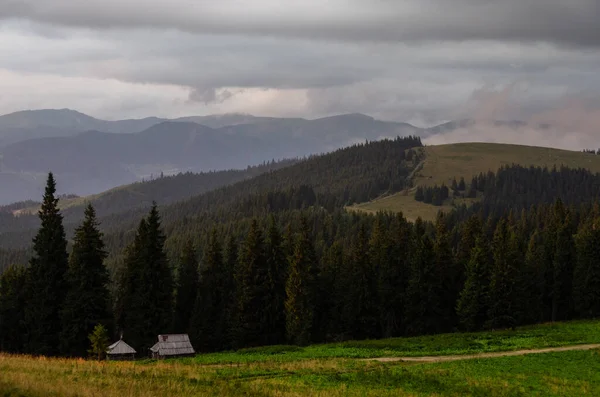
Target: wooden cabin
{"points": [[120, 351], [174, 345]]}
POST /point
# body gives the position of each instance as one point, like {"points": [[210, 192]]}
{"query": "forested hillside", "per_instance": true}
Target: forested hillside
{"points": [[163, 189], [525, 254], [354, 174], [327, 274]]}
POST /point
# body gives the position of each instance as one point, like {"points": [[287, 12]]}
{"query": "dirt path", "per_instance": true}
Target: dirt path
{"points": [[437, 359]]}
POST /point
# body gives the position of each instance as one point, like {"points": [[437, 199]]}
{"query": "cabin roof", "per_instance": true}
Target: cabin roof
{"points": [[173, 345], [120, 347]]}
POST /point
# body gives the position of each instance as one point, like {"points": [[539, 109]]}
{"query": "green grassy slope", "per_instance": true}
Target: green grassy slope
{"points": [[333, 370], [445, 162]]}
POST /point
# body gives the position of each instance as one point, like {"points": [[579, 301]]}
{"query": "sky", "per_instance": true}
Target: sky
{"points": [[418, 61]]}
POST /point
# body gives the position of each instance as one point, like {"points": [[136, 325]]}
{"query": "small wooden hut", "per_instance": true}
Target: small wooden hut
{"points": [[120, 351], [175, 345]]}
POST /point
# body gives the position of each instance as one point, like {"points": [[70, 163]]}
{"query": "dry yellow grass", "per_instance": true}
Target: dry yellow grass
{"points": [[564, 373], [445, 162], [41, 376]]}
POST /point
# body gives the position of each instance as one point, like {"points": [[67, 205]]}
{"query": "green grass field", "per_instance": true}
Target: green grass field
{"points": [[334, 369], [445, 162]]}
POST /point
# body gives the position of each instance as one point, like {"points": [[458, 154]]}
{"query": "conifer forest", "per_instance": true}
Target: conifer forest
{"points": [[278, 259]]}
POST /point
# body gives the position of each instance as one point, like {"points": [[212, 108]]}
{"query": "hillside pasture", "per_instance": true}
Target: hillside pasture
{"points": [[444, 162]]}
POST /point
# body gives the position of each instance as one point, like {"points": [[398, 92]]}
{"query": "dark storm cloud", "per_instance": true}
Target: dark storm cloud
{"points": [[572, 22], [418, 61]]}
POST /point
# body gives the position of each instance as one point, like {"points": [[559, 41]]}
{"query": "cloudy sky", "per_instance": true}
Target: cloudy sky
{"points": [[421, 61]]}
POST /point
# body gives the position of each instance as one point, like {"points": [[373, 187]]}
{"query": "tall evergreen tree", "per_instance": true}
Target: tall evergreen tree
{"points": [[531, 282], [389, 252], [449, 273], [46, 286], [586, 286], [126, 283], [331, 293], [12, 304], [186, 288], [502, 280], [149, 285], [472, 305], [360, 315], [563, 269], [87, 303], [300, 288], [277, 264], [552, 220], [230, 263], [209, 320], [252, 288], [422, 306], [470, 230]]}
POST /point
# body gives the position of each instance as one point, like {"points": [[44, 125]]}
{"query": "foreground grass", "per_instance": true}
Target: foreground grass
{"points": [[334, 369], [574, 373], [529, 337]]}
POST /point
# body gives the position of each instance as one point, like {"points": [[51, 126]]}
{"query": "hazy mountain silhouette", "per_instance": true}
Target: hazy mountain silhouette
{"points": [[110, 153]]}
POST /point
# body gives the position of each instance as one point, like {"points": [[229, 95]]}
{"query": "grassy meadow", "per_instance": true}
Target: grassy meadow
{"points": [[334, 369], [445, 162]]}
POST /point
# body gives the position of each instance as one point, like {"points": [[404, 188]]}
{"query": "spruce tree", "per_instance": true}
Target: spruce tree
{"points": [[277, 264], [563, 269], [419, 194], [586, 285], [126, 284], [360, 313], [230, 263], [470, 230], [186, 286], [422, 306], [300, 288], [252, 288], [46, 286], [390, 251], [88, 301], [12, 304], [501, 312], [148, 296], [449, 273], [209, 318], [454, 185], [99, 341], [331, 293], [472, 303], [532, 282]]}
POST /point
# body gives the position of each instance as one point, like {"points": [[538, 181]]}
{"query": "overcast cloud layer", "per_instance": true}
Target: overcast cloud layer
{"points": [[423, 62]]}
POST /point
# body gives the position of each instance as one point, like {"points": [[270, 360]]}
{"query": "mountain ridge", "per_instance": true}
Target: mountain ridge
{"points": [[93, 161]]}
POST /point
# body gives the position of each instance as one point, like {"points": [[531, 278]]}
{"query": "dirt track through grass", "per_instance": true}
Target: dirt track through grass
{"points": [[457, 357]]}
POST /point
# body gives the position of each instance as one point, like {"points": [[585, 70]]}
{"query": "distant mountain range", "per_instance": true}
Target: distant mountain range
{"points": [[90, 155]]}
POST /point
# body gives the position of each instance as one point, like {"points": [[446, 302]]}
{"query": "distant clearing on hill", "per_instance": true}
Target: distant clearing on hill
{"points": [[445, 162]]}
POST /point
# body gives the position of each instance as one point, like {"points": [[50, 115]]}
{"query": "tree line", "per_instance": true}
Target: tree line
{"points": [[304, 275]]}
